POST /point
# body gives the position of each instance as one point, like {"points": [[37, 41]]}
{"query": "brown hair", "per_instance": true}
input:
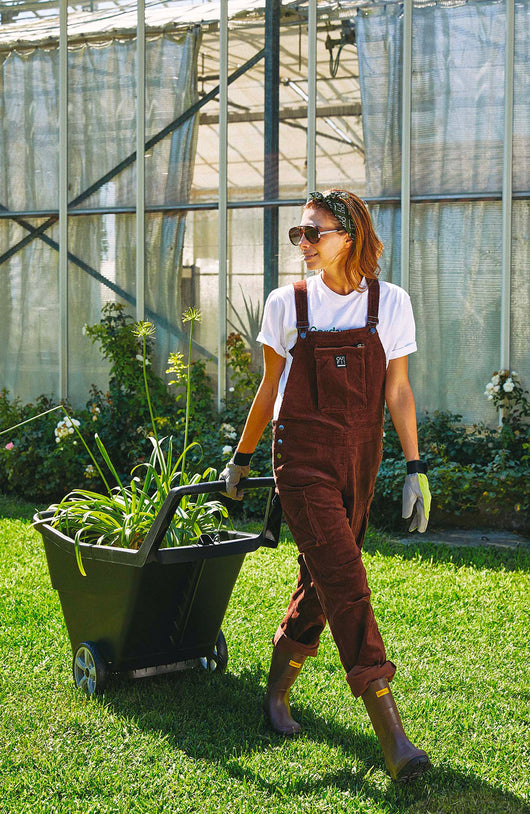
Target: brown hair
{"points": [[366, 249]]}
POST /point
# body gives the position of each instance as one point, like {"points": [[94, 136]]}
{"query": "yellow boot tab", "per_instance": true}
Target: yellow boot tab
{"points": [[293, 663], [384, 691]]}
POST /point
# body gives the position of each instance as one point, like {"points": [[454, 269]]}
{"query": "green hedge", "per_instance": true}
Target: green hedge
{"points": [[478, 475]]}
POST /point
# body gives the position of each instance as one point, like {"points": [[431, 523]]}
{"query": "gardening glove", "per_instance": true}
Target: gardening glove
{"points": [[416, 496], [234, 471]]}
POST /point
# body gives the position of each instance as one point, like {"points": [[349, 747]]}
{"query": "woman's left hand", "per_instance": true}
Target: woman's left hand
{"points": [[417, 500]]}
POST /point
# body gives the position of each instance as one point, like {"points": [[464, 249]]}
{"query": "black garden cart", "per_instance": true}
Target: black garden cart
{"points": [[154, 610]]}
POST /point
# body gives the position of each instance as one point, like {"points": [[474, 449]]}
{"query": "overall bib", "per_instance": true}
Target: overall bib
{"points": [[327, 448]]}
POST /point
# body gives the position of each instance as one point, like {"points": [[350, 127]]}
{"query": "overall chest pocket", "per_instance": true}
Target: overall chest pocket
{"points": [[341, 378]]}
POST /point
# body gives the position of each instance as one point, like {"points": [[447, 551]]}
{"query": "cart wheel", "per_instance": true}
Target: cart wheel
{"points": [[90, 672], [218, 659]]}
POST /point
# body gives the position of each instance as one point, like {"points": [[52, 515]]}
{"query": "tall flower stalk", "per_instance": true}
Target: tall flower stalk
{"points": [[192, 315], [144, 330]]}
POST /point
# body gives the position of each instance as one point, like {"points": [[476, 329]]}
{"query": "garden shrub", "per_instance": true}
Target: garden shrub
{"points": [[33, 463], [477, 475]]}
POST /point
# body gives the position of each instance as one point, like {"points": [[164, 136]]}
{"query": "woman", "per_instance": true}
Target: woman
{"points": [[335, 348]]}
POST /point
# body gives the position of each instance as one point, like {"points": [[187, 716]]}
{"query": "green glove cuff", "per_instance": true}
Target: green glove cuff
{"points": [[425, 493]]}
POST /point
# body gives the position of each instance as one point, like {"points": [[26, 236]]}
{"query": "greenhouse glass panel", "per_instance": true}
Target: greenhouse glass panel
{"points": [[521, 95], [387, 224], [171, 88], [29, 128], [101, 121], [200, 284], [455, 287], [29, 313], [99, 271], [457, 99], [520, 291], [169, 287], [246, 146]]}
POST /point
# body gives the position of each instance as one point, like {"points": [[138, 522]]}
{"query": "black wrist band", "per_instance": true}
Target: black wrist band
{"points": [[242, 458], [417, 466]]}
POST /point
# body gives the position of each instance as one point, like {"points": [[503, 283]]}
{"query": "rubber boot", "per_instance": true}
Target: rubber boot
{"points": [[403, 761], [284, 670]]}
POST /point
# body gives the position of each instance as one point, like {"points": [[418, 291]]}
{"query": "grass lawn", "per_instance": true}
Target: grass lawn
{"points": [[454, 621]]}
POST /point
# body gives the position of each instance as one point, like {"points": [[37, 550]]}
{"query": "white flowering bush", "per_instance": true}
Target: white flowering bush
{"points": [[504, 389], [228, 432], [65, 428], [507, 394], [42, 457], [95, 411]]}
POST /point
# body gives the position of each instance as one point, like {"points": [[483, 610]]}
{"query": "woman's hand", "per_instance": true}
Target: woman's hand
{"points": [[232, 474], [400, 402], [416, 501]]}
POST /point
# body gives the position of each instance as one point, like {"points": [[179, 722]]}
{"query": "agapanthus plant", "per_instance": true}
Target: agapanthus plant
{"points": [[124, 513]]}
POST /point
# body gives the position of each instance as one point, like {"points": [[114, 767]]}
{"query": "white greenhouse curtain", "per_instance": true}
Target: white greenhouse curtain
{"points": [[456, 148], [101, 134]]}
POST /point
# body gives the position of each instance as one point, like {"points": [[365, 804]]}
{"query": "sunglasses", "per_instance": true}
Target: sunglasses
{"points": [[311, 233]]}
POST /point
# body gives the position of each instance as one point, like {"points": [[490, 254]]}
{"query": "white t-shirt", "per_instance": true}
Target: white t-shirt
{"points": [[329, 311]]}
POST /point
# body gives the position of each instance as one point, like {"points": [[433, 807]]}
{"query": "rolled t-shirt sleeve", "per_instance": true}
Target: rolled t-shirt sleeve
{"points": [[404, 329], [272, 327]]}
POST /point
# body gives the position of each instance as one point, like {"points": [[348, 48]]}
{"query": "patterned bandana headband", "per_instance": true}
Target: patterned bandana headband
{"points": [[335, 203]]}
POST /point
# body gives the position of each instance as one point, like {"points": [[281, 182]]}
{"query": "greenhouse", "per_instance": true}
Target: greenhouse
{"points": [[155, 153]]}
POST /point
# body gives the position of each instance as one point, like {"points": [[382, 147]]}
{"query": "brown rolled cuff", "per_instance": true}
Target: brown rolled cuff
{"points": [[359, 677], [283, 642]]}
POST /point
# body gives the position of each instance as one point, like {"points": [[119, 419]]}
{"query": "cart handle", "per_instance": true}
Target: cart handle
{"points": [[161, 523]]}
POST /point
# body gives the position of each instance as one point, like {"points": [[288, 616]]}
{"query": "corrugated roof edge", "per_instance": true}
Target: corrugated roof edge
{"points": [[100, 25]]}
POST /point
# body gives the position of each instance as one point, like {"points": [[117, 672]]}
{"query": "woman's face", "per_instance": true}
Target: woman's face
{"points": [[331, 250]]}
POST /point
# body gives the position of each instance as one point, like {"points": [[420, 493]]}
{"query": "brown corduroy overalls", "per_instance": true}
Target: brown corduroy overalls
{"points": [[327, 447]]}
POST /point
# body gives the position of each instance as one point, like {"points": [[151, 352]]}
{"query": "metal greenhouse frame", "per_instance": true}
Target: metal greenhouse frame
{"points": [[217, 15]]}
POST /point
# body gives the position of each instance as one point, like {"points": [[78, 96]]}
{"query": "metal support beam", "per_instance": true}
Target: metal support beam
{"points": [[458, 197], [507, 184], [271, 144], [223, 201], [140, 164], [323, 111], [405, 143], [63, 200], [312, 96]]}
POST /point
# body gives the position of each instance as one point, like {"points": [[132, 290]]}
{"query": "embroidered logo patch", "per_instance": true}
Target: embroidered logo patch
{"points": [[340, 361]]}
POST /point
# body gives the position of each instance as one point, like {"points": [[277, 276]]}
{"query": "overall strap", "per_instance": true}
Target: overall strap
{"points": [[300, 297], [373, 305]]}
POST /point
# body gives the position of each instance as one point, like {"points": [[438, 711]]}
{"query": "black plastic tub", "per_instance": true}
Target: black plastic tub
{"points": [[156, 609]]}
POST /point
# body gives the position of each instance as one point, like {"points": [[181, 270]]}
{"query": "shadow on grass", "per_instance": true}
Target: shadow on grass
{"points": [[506, 559], [218, 718]]}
